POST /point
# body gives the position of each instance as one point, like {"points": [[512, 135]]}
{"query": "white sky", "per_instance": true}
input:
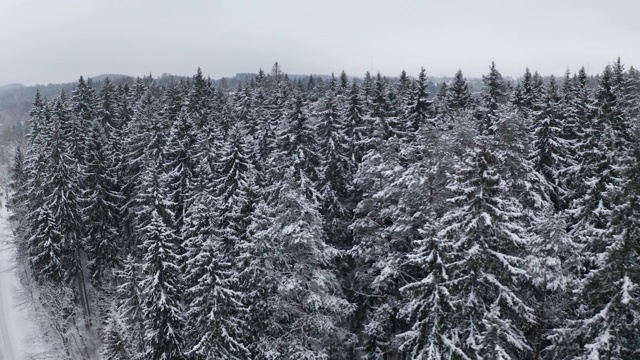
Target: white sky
{"points": [[44, 41]]}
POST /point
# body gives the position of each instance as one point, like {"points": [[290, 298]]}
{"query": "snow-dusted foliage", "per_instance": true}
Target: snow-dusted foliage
{"points": [[334, 218]]}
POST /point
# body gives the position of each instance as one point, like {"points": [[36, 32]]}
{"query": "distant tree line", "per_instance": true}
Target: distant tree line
{"points": [[333, 219]]}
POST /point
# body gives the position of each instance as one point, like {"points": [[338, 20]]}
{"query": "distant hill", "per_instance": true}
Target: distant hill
{"points": [[11, 87], [112, 77]]}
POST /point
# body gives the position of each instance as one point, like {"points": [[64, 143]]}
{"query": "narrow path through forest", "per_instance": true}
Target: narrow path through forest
{"points": [[14, 322]]}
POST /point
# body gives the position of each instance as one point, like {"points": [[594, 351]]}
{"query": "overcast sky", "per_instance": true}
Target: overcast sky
{"points": [[43, 41]]}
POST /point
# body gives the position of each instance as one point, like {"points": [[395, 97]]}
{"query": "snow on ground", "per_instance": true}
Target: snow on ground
{"points": [[17, 330]]}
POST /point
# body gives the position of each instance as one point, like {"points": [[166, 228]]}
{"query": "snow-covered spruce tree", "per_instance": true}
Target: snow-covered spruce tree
{"points": [[511, 144], [376, 250], [106, 108], [162, 287], [214, 326], [578, 129], [297, 153], [131, 303], [485, 235], [606, 230], [552, 252], [549, 150], [17, 183], [551, 264], [222, 113], [179, 154], [101, 199], [418, 109], [494, 95], [83, 105], [63, 188], [367, 90], [259, 280], [234, 191], [261, 128], [26, 175], [427, 304], [116, 345], [336, 174], [425, 301], [45, 246], [336, 171], [199, 100], [603, 165], [144, 136], [241, 106], [440, 102], [402, 89], [179, 171], [356, 129], [343, 85], [528, 94], [458, 94], [306, 305], [51, 233], [383, 114]]}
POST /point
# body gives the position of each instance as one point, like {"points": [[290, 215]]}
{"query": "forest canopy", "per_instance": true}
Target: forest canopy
{"points": [[328, 218]]}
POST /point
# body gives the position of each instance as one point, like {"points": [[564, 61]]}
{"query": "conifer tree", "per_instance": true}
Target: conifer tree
{"points": [[179, 168], [214, 317], [45, 247], [162, 288], [307, 306], [63, 190], [83, 107], [356, 129], [549, 144], [578, 129], [336, 170], [298, 149], [419, 108], [427, 302], [116, 345], [458, 94], [486, 237], [101, 198], [234, 190], [425, 299], [494, 95], [383, 113], [131, 303], [377, 251], [606, 234]]}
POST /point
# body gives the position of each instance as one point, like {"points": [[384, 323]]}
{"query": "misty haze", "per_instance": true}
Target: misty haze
{"points": [[336, 180]]}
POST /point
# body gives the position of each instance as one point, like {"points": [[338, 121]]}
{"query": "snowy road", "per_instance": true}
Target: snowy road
{"points": [[14, 323], [6, 337]]}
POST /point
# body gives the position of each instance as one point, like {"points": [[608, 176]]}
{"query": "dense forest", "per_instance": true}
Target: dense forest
{"points": [[335, 219]]}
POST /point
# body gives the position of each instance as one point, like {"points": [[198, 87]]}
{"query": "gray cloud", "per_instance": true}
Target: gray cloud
{"points": [[56, 41]]}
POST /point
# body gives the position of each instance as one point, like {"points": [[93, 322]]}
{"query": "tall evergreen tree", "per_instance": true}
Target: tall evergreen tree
{"points": [[131, 303], [307, 305], [458, 93], [214, 316], [298, 149], [162, 288], [493, 96], [419, 108], [486, 240]]}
